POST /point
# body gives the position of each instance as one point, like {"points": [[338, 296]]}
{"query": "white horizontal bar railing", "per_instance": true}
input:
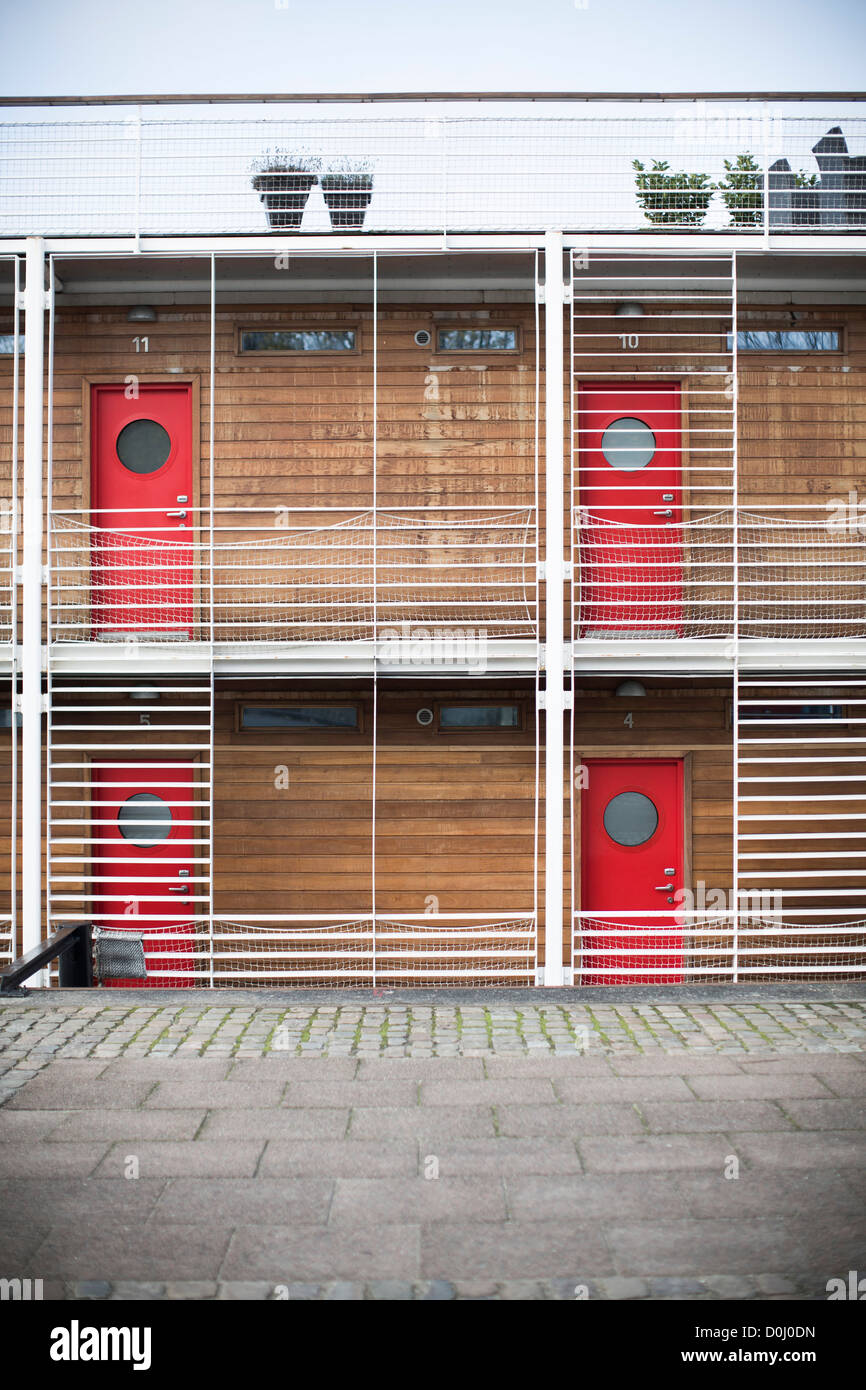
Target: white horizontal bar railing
{"points": [[365, 950], [633, 948], [283, 576], [797, 578], [7, 564], [606, 170]]}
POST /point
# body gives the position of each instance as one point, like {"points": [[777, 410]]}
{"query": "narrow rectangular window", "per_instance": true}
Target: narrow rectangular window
{"points": [[460, 339], [480, 717], [7, 344], [787, 340], [298, 340], [299, 717]]}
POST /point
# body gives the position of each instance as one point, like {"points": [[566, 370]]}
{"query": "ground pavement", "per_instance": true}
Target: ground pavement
{"points": [[527, 1145]]}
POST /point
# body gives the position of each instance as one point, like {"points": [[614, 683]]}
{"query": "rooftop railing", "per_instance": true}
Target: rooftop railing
{"points": [[704, 167]]}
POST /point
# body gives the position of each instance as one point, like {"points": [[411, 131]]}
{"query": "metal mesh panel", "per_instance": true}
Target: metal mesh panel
{"points": [[440, 173]]}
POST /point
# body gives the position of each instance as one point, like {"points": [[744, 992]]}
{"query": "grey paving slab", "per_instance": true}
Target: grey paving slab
{"points": [[284, 1254], [245, 1201], [564, 1120], [414, 1201], [150, 1252], [324, 1094], [702, 1116], [52, 1091], [754, 1086], [156, 1068], [80, 1201], [430, 1123], [286, 1067], [660, 1153], [590, 1197], [28, 1159], [497, 1091], [691, 1247], [762, 1192], [123, 1125], [202, 1158], [354, 1158], [800, 1149], [614, 1090], [276, 1123], [500, 1156], [179, 1095], [827, 1114], [522, 1249], [16, 1125]]}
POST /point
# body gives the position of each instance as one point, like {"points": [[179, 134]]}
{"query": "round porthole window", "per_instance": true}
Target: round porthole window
{"points": [[143, 446], [144, 819], [628, 444], [630, 818]]}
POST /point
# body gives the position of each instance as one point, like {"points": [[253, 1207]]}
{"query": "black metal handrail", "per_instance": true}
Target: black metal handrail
{"points": [[71, 943]]}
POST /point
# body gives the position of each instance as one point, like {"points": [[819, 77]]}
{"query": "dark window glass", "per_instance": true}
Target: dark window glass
{"points": [[145, 819], [630, 818], [143, 446], [786, 340], [299, 717], [479, 717], [299, 340], [791, 712], [7, 344], [476, 339]]}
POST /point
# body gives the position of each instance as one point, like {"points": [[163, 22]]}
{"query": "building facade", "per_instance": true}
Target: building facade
{"points": [[435, 543]]}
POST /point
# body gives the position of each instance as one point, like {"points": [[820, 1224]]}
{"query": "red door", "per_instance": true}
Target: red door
{"points": [[630, 480], [143, 866], [141, 505], [631, 866]]}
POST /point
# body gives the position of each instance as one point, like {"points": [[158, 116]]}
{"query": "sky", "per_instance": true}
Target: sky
{"points": [[98, 47]]}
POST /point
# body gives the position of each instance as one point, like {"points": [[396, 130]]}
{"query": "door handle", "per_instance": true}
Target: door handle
{"points": [[182, 888], [182, 515], [663, 887], [668, 512]]}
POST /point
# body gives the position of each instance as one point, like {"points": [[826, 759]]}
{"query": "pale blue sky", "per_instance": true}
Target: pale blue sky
{"points": [[120, 46]]}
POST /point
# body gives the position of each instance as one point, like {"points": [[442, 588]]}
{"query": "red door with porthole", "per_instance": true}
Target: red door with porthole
{"points": [[631, 498], [143, 865], [141, 559], [632, 857]]}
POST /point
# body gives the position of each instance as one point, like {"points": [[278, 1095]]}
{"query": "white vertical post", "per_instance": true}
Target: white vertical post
{"points": [[31, 646], [554, 532]]}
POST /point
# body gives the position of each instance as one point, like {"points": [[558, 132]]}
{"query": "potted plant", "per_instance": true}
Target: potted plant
{"points": [[743, 192], [671, 197], [348, 188], [283, 179]]}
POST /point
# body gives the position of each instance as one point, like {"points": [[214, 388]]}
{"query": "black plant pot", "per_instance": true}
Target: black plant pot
{"points": [[347, 203], [806, 204], [285, 195]]}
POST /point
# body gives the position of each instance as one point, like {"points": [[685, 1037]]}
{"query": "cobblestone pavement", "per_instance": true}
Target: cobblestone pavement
{"points": [[323, 1148]]}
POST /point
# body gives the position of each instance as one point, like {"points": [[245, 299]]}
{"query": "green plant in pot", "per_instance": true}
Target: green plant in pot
{"points": [[671, 197], [283, 179], [347, 185], [743, 191]]}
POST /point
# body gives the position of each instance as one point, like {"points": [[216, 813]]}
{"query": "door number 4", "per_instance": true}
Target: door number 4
{"points": [[629, 720]]}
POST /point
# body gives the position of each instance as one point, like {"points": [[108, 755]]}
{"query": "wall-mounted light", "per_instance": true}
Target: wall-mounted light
{"points": [[633, 688], [145, 692], [141, 313], [629, 309]]}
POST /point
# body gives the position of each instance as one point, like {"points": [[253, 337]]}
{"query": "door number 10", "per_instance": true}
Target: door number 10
{"points": [[629, 340]]}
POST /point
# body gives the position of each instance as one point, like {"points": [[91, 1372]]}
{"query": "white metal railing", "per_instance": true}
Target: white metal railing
{"points": [[632, 948], [150, 175], [796, 578], [278, 576]]}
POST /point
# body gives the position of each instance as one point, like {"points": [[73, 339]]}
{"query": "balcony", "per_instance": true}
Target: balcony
{"points": [[429, 586], [442, 173]]}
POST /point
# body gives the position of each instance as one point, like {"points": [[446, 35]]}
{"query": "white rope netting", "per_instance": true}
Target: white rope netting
{"points": [[324, 583], [611, 951]]}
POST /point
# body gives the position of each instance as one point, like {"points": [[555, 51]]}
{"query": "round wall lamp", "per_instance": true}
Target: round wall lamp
{"points": [[424, 717], [633, 688], [423, 337], [629, 309], [145, 692], [141, 313]]}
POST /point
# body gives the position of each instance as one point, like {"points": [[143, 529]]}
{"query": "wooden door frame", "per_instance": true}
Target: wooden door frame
{"points": [[193, 381]]}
